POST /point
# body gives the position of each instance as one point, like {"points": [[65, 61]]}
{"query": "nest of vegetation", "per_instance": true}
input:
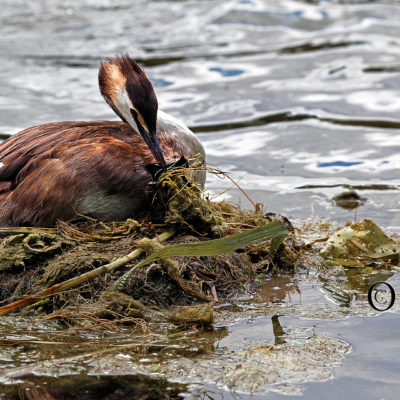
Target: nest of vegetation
{"points": [[178, 289]]}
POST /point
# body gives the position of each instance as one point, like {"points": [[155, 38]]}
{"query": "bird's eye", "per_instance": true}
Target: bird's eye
{"points": [[134, 114]]}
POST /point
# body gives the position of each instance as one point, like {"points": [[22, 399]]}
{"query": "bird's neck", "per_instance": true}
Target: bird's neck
{"points": [[170, 126]]}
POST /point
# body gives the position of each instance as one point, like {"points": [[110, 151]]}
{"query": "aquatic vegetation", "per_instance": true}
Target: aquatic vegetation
{"points": [[84, 260], [170, 280]]}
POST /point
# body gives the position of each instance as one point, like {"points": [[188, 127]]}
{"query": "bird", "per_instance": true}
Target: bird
{"points": [[98, 169]]}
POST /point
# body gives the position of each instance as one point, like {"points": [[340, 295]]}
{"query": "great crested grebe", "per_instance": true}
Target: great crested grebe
{"points": [[57, 170]]}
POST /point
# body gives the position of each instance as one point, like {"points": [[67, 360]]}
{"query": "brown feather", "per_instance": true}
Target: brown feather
{"points": [[49, 170], [98, 168]]}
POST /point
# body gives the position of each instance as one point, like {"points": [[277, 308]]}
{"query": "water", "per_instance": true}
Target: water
{"points": [[297, 100]]}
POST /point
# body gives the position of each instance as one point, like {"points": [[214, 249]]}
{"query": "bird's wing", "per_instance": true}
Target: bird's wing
{"points": [[38, 142]]}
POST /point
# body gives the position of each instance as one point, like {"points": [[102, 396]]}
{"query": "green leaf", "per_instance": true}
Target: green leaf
{"points": [[275, 231]]}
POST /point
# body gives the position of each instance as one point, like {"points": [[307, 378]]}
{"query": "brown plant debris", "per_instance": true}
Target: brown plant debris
{"points": [[32, 263]]}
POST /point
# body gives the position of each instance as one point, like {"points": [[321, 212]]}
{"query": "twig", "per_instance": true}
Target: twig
{"points": [[214, 293], [26, 229], [73, 282], [219, 172]]}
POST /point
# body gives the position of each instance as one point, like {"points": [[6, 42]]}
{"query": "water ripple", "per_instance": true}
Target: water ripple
{"points": [[294, 90]]}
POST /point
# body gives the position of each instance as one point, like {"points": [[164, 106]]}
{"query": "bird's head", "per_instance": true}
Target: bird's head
{"points": [[127, 90]]}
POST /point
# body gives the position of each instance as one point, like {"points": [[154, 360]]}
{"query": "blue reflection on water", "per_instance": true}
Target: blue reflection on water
{"points": [[339, 164], [180, 99], [162, 82], [227, 72]]}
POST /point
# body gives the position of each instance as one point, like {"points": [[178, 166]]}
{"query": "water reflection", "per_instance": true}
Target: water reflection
{"points": [[279, 289], [96, 387]]}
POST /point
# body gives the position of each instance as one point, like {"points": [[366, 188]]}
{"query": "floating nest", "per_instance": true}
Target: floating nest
{"points": [[177, 289]]}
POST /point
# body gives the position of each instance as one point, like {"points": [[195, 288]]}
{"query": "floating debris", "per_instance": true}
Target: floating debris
{"points": [[348, 200], [363, 240]]}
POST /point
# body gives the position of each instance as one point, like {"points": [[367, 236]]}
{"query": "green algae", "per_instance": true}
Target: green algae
{"points": [[21, 250], [192, 355]]}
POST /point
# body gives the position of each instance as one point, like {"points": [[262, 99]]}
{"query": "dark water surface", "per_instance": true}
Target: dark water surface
{"points": [[297, 100]]}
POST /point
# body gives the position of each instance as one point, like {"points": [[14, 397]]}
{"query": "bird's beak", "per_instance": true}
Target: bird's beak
{"points": [[152, 143]]}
